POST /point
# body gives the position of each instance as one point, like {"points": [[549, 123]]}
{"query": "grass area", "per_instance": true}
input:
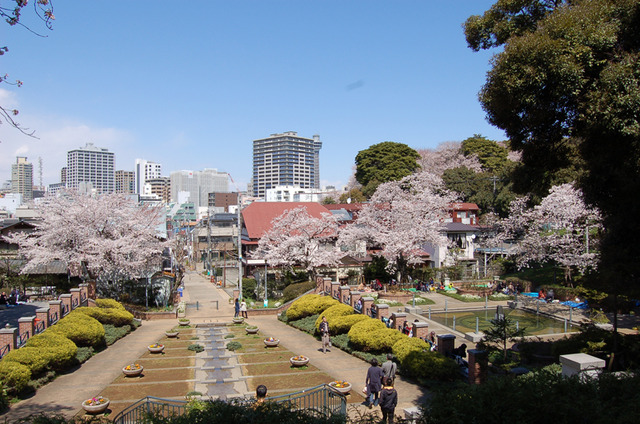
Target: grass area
{"points": [[271, 368], [468, 298], [155, 376], [253, 358]]}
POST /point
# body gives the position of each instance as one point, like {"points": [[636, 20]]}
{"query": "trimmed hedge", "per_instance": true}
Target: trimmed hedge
{"points": [[342, 325], [296, 289], [82, 329], [310, 304], [109, 304], [107, 315], [417, 361], [362, 334], [59, 350], [34, 358], [14, 375], [334, 312]]}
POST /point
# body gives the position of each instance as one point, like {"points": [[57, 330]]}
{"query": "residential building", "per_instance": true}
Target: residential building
{"points": [[22, 178], [285, 159], [464, 213], [198, 184], [91, 168], [222, 201], [159, 187], [293, 194], [125, 182], [144, 171]]}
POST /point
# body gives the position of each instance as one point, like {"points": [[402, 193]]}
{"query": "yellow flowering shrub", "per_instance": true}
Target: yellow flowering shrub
{"points": [[82, 329], [333, 312], [310, 304]]}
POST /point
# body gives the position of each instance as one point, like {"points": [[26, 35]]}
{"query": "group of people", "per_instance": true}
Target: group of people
{"points": [[13, 299], [379, 388], [547, 296], [240, 308]]}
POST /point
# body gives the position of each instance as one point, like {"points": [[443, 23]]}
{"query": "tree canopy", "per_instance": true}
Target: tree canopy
{"points": [[384, 162], [566, 90]]}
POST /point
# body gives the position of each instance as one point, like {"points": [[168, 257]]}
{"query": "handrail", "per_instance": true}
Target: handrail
{"points": [[22, 339], [6, 349]]}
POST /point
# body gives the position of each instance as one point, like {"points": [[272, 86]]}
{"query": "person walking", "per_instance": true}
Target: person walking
{"points": [[324, 332], [237, 308], [388, 401], [374, 383], [243, 309], [389, 368]]}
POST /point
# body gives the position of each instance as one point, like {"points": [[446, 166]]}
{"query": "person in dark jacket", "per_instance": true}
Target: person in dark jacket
{"points": [[374, 383], [237, 308], [388, 401]]}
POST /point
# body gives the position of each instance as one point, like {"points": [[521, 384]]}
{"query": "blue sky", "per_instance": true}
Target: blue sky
{"points": [[191, 84]]}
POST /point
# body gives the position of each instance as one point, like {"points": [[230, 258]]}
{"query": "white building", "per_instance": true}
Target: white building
{"points": [[198, 184], [293, 194], [91, 166], [144, 171], [10, 202]]}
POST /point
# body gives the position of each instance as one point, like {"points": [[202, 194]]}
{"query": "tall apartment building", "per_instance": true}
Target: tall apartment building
{"points": [[125, 182], [285, 160], [91, 167], [145, 170], [160, 187], [198, 184], [22, 178]]}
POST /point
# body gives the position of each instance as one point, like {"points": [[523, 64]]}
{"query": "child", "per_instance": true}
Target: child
{"points": [[388, 400]]}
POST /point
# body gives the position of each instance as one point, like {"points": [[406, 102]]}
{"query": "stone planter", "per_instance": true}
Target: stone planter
{"points": [[271, 343], [343, 387], [299, 361], [155, 348], [184, 322], [95, 409], [133, 372], [171, 333], [252, 330], [238, 320]]}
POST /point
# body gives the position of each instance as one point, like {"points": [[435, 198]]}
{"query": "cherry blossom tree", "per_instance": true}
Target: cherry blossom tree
{"points": [[298, 239], [558, 230], [401, 217], [111, 236], [447, 155]]}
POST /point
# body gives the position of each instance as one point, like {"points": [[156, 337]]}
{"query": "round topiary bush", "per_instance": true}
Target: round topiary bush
{"points": [[34, 358], [14, 375], [362, 334], [417, 361], [310, 304], [342, 324], [114, 316], [60, 351], [333, 312], [109, 304], [81, 329]]}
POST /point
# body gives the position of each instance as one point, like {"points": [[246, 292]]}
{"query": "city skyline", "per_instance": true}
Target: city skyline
{"points": [[193, 90]]}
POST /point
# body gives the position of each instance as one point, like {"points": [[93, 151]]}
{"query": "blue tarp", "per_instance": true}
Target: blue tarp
{"points": [[581, 305]]}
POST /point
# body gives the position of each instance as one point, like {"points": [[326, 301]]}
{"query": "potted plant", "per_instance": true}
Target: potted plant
{"points": [[251, 329], [340, 386], [238, 320], [172, 333], [299, 361], [132, 370], [155, 348], [271, 342], [96, 405], [181, 310], [184, 321]]}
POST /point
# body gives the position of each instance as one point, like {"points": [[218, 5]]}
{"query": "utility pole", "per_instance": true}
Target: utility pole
{"points": [[209, 239]]}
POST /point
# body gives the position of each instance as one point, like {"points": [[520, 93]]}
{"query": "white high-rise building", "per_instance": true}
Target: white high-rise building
{"points": [[91, 167], [144, 171], [22, 178], [199, 184]]}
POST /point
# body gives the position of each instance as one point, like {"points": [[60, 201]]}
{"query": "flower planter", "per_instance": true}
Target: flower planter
{"points": [[238, 320], [184, 322], [343, 387], [252, 330], [155, 348], [97, 408], [171, 333], [299, 361], [271, 342], [133, 371]]}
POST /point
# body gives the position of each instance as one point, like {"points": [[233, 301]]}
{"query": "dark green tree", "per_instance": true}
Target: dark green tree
{"points": [[384, 162], [566, 90], [492, 156], [503, 330]]}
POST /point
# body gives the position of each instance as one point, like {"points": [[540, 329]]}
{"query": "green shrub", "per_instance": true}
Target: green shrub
{"points": [[362, 335], [341, 341], [84, 353], [195, 347], [310, 304], [307, 324], [59, 350], [417, 361], [14, 375], [81, 329], [294, 290], [334, 312], [113, 333], [109, 304], [34, 358], [114, 316], [234, 345], [343, 324], [4, 401]]}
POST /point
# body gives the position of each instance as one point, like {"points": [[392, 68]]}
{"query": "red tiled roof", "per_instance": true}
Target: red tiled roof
{"points": [[257, 216], [461, 206]]}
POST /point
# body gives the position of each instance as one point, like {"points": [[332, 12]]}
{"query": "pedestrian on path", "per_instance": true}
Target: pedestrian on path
{"points": [[388, 401], [389, 368], [324, 331], [243, 309], [374, 383], [237, 308]]}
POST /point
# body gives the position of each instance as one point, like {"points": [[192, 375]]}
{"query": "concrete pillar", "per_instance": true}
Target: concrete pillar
{"points": [[398, 320], [42, 315], [335, 290], [327, 286], [420, 329], [478, 365], [581, 364], [355, 297], [344, 295], [55, 311], [319, 284], [25, 327], [446, 343], [383, 310], [8, 337], [66, 303], [84, 293], [75, 298], [366, 305]]}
